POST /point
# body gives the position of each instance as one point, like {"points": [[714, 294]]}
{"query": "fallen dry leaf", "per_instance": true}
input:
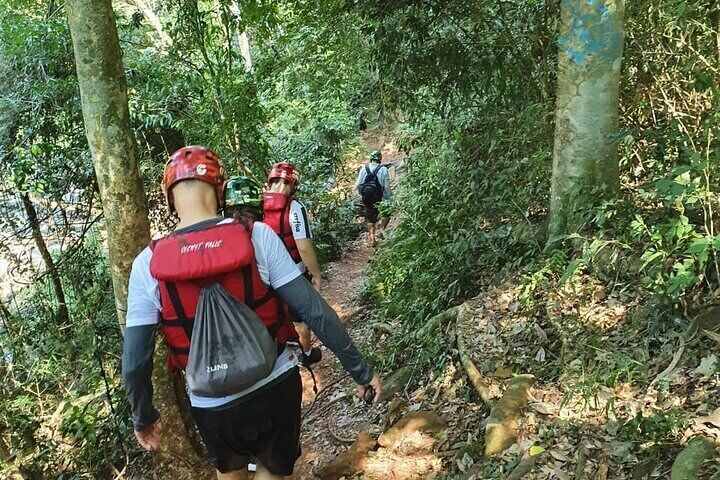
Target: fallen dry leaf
{"points": [[707, 366], [543, 408]]}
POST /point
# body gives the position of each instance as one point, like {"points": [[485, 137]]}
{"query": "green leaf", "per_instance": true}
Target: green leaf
{"points": [[650, 258], [536, 450], [699, 245], [571, 269]]}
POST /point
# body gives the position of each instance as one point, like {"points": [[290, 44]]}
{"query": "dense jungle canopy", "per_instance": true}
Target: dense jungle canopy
{"points": [[549, 284]]}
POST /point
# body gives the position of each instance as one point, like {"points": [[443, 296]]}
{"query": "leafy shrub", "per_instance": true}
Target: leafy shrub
{"points": [[61, 373], [469, 203]]}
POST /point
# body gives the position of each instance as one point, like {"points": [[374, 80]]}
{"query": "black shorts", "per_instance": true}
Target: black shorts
{"points": [[370, 212], [265, 426]]}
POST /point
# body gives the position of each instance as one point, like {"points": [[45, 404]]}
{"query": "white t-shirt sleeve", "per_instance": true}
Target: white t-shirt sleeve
{"points": [[275, 265], [299, 224], [143, 293]]}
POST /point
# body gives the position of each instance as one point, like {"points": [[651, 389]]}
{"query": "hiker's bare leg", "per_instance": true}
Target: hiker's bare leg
{"points": [[234, 475], [305, 336], [262, 473], [372, 234]]}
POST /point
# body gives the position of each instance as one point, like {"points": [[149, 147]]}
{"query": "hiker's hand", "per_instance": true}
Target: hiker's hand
{"points": [[149, 437], [374, 383], [317, 282]]}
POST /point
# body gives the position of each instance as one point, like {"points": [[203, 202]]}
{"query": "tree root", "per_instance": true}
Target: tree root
{"points": [[502, 427], [434, 322], [476, 378], [350, 316], [688, 461]]}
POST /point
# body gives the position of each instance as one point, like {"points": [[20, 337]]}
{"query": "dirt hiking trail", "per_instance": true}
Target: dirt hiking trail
{"points": [[334, 418]]}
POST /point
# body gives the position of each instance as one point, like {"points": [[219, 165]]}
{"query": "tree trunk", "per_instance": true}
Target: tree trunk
{"points": [[112, 144], [585, 160], [110, 136], [242, 38], [62, 315], [244, 42]]}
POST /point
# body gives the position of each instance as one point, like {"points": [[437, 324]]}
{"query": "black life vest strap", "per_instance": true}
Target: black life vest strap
{"points": [[183, 319], [249, 287], [264, 299], [174, 323], [373, 172]]}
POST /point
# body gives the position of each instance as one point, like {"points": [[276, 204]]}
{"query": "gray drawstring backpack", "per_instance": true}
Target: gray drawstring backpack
{"points": [[230, 347]]}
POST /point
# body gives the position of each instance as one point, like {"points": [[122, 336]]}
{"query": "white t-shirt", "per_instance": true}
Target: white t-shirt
{"points": [[299, 226], [276, 269]]}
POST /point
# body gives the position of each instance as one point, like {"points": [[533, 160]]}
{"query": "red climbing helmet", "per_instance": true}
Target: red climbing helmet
{"points": [[193, 162], [286, 171]]}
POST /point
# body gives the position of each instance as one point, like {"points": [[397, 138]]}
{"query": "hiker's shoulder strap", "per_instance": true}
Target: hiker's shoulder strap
{"points": [[367, 169], [377, 169]]}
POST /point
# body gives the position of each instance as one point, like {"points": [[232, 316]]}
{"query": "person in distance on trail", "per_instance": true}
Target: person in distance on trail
{"points": [[288, 218], [247, 272], [373, 185]]}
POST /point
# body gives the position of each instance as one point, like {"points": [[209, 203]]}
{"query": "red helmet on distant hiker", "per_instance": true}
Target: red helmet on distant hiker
{"points": [[286, 171], [193, 162]]}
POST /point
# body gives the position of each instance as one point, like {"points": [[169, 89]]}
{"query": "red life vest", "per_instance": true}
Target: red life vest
{"points": [[276, 213], [184, 262]]}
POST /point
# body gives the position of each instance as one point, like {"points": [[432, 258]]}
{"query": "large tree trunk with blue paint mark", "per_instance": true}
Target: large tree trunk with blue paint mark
{"points": [[585, 160]]}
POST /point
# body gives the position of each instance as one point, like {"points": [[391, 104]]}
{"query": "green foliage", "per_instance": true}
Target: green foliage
{"points": [[658, 427], [476, 184], [475, 187], [40, 122], [54, 402]]}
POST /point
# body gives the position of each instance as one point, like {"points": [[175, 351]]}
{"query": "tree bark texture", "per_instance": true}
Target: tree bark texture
{"points": [[62, 315], [103, 93], [585, 159]]}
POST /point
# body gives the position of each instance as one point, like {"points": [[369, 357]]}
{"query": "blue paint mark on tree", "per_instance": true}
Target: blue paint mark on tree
{"points": [[594, 32]]}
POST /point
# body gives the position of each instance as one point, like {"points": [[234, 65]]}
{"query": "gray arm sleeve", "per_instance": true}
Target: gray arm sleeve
{"points": [[311, 308], [137, 366]]}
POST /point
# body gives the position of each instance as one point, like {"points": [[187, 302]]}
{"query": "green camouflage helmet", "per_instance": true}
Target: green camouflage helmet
{"points": [[242, 190], [375, 156]]}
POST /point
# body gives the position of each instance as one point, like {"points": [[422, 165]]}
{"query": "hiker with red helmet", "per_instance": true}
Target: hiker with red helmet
{"points": [[215, 286], [288, 218]]}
